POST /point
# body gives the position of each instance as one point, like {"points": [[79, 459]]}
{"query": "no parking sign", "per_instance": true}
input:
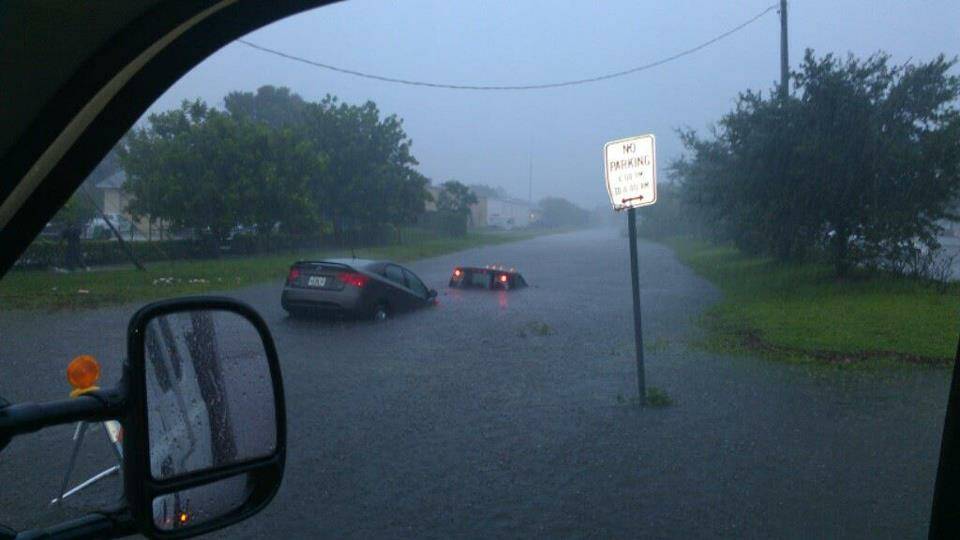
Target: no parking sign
{"points": [[630, 171]]}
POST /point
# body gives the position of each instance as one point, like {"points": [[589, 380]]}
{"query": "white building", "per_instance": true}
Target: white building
{"points": [[507, 213], [493, 211]]}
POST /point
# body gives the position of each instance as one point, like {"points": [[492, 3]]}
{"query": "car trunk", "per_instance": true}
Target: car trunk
{"points": [[323, 276]]}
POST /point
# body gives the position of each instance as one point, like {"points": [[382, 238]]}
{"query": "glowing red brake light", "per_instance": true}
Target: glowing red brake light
{"points": [[457, 273], [353, 278], [293, 275], [503, 278]]}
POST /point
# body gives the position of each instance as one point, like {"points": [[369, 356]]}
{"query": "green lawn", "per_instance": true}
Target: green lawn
{"points": [[52, 290], [803, 311]]}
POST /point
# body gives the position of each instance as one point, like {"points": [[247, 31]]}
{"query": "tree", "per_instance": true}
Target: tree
{"points": [[273, 161], [559, 212], [77, 212], [888, 143], [670, 216], [860, 164], [455, 197], [285, 115], [203, 169], [282, 167], [407, 197], [276, 107], [483, 190], [370, 178], [72, 218]]}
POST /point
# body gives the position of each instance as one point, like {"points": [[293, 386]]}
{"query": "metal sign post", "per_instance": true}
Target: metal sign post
{"points": [[630, 173], [637, 324]]}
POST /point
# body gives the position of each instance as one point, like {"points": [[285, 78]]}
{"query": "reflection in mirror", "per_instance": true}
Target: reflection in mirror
{"points": [[210, 397], [200, 504]]}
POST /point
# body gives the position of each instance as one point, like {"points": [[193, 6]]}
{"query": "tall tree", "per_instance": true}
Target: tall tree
{"points": [[483, 190], [77, 212], [274, 106], [863, 161], [455, 197], [203, 169], [273, 161], [559, 212], [368, 161]]}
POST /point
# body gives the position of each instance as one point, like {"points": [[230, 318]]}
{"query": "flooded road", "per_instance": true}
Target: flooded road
{"points": [[507, 414]]}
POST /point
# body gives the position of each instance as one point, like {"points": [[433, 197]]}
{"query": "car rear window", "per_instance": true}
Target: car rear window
{"points": [[478, 279], [414, 283], [394, 274]]}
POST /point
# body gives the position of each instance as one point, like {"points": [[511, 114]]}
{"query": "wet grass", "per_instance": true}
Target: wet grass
{"points": [[804, 313], [656, 398], [100, 287]]}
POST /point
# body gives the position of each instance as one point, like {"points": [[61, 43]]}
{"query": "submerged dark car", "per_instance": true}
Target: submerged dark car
{"points": [[354, 287], [488, 277]]}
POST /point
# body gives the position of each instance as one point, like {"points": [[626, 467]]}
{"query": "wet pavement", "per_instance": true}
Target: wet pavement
{"points": [[507, 414]]}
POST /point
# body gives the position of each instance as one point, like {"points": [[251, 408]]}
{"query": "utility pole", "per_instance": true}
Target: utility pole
{"points": [[784, 61], [530, 181]]}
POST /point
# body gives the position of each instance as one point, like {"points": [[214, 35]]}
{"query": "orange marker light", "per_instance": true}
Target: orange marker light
{"points": [[83, 372], [183, 518]]}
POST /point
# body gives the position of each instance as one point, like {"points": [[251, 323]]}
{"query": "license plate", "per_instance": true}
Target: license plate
{"points": [[317, 281]]}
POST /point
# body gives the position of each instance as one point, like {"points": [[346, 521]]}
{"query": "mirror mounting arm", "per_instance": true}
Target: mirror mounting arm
{"points": [[28, 417]]}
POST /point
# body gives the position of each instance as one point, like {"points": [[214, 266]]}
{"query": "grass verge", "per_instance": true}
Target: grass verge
{"points": [[802, 312], [657, 398], [100, 287]]}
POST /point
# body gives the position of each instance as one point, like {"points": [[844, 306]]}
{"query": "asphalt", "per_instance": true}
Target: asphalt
{"points": [[509, 415]]}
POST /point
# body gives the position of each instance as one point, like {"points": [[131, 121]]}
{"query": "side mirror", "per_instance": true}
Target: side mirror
{"points": [[431, 294], [204, 424]]}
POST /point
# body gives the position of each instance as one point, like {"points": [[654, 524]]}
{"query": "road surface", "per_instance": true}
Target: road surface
{"points": [[465, 421]]}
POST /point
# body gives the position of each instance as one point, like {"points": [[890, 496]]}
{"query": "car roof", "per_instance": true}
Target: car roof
{"points": [[489, 269]]}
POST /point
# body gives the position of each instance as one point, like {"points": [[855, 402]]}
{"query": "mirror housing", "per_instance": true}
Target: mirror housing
{"points": [[254, 479], [431, 294], [257, 473]]}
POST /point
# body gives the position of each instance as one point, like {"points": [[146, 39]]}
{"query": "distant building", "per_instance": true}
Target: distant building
{"points": [[504, 213], [114, 204], [115, 199], [507, 213], [478, 213]]}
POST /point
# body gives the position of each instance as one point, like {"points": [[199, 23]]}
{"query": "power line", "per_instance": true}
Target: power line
{"points": [[516, 87]]}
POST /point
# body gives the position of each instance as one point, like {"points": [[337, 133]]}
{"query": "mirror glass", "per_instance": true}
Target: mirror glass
{"points": [[194, 506], [210, 399]]}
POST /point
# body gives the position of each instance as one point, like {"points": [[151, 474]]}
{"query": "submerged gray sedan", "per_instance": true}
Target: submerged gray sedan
{"points": [[353, 287]]}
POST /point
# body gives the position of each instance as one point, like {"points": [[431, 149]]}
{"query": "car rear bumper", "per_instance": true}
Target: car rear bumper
{"points": [[348, 300]]}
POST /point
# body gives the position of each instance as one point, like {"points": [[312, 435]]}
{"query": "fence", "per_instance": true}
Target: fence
{"points": [[45, 253]]}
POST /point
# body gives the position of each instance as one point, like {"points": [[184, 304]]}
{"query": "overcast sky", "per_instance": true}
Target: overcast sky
{"points": [[489, 137]]}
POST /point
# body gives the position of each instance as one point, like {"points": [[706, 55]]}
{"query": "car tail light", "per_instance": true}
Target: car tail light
{"points": [[293, 275], [457, 273], [353, 278], [503, 278]]}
